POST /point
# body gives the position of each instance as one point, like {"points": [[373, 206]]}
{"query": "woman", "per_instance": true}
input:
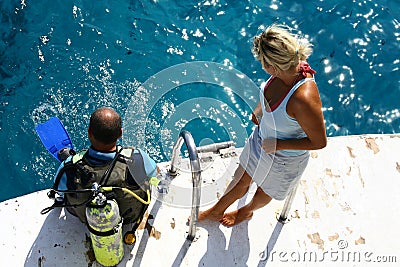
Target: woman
{"points": [[289, 123]]}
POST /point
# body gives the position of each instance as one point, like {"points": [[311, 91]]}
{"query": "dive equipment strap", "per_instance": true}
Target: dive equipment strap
{"points": [[112, 231], [71, 165], [61, 203], [107, 173]]}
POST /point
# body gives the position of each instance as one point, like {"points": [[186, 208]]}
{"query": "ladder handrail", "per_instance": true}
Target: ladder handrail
{"points": [[283, 218], [186, 137]]}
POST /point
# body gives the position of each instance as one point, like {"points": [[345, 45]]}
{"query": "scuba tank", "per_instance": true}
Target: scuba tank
{"points": [[105, 225]]}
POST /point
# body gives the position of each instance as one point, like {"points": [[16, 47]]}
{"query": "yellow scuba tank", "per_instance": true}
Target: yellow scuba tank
{"points": [[105, 226]]}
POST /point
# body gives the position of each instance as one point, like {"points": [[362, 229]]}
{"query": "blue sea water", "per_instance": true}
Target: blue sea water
{"points": [[67, 58]]}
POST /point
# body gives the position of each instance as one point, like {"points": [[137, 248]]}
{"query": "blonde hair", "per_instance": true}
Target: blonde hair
{"points": [[278, 47]]}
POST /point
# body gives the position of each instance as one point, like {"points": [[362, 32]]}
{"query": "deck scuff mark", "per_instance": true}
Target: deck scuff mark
{"points": [[371, 144], [351, 152], [360, 241], [333, 237], [316, 239]]}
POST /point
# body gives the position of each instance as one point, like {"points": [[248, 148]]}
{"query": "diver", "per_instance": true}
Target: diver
{"points": [[128, 170]]}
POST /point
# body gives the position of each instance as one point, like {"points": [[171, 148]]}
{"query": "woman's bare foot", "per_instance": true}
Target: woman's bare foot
{"points": [[235, 217], [209, 214]]}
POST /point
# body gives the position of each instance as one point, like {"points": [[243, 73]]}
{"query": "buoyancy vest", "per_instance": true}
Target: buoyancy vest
{"points": [[126, 170]]}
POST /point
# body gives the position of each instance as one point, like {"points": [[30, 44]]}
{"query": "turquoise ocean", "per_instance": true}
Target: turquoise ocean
{"points": [[67, 58]]}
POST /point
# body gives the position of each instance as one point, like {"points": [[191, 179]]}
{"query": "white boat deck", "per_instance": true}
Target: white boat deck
{"points": [[345, 213]]}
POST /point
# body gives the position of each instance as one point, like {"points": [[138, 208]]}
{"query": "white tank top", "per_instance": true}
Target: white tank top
{"points": [[278, 124]]}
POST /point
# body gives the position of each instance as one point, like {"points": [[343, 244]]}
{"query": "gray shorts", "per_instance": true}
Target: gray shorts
{"points": [[274, 173]]}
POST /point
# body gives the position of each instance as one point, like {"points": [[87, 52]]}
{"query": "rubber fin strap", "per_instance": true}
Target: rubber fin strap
{"points": [[54, 136]]}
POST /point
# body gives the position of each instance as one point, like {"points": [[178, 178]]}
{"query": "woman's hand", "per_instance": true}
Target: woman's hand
{"points": [[255, 119], [269, 145], [256, 115]]}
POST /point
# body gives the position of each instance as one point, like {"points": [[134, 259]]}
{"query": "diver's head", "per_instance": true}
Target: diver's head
{"points": [[105, 128]]}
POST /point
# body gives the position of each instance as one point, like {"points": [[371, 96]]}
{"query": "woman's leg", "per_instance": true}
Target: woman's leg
{"points": [[236, 189], [259, 200]]}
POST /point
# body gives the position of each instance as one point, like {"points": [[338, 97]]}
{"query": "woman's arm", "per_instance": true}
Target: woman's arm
{"points": [[257, 114]]}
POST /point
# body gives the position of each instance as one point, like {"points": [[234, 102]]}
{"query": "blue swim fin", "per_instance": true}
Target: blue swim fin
{"points": [[54, 136]]}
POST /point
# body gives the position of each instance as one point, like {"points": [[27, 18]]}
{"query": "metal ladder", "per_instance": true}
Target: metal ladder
{"points": [[186, 137]]}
